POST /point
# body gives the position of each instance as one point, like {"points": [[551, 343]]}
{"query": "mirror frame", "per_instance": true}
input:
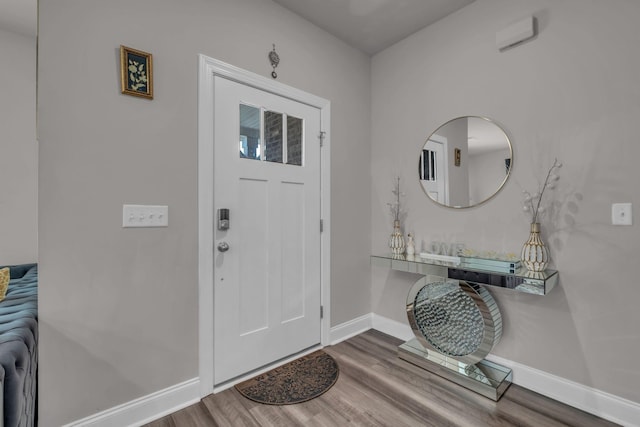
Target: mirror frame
{"points": [[504, 181]]}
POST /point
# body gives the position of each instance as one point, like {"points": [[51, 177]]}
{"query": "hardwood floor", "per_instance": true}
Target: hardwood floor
{"points": [[375, 388]]}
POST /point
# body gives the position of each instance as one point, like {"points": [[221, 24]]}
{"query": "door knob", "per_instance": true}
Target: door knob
{"points": [[223, 246]]}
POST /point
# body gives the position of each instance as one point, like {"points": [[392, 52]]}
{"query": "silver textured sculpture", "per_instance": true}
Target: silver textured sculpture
{"points": [[456, 324], [460, 320]]}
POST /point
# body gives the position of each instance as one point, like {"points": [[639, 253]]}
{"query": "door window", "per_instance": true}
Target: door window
{"points": [[271, 136], [249, 132]]}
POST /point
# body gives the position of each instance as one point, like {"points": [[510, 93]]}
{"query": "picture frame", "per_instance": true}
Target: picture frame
{"points": [[136, 72], [457, 155]]}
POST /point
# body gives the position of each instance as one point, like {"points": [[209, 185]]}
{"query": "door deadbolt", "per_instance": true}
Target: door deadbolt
{"points": [[223, 219]]}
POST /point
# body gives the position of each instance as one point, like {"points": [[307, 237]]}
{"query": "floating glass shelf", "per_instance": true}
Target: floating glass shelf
{"points": [[522, 280]]}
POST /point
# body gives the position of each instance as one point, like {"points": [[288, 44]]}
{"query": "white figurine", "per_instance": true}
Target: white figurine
{"points": [[411, 246]]}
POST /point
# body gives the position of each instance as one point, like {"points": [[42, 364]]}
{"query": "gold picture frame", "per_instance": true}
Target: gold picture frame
{"points": [[136, 72], [457, 155]]}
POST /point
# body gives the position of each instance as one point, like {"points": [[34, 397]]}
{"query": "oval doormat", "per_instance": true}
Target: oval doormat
{"points": [[295, 382]]}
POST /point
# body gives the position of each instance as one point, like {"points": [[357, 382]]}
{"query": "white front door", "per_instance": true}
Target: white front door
{"points": [[267, 174]]}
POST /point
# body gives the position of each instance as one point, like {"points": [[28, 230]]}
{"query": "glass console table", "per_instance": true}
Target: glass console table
{"points": [[456, 321]]}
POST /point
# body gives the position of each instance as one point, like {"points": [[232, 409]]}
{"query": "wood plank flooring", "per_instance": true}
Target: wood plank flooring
{"points": [[376, 388]]}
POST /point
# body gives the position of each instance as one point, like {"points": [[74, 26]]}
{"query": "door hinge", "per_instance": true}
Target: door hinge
{"points": [[321, 225], [321, 137], [322, 312]]}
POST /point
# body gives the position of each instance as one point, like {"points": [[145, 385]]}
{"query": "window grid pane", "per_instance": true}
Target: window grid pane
{"points": [[273, 137], [294, 141], [250, 147]]}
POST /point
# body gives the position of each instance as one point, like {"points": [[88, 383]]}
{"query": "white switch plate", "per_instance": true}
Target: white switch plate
{"points": [[621, 214], [145, 216]]}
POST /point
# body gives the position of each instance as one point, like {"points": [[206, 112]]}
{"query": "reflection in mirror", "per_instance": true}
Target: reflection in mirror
{"points": [[465, 162]]}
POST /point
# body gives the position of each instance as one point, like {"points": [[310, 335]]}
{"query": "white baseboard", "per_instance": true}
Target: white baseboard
{"points": [[392, 327], [147, 408], [604, 405], [350, 329]]}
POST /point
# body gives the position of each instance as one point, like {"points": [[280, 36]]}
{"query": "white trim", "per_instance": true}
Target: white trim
{"points": [[604, 405], [205, 228], [392, 327], [325, 212], [208, 69], [349, 329], [445, 144], [147, 408]]}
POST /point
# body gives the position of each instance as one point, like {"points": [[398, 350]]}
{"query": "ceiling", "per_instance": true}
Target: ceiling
{"points": [[372, 25], [19, 16], [368, 25]]}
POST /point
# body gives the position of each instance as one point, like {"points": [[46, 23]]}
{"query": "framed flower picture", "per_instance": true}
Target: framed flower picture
{"points": [[136, 72]]}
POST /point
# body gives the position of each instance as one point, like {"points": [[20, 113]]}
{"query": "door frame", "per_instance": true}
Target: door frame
{"points": [[208, 69]]}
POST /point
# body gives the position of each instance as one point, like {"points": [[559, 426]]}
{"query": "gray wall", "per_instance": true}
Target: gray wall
{"points": [[18, 149], [570, 93], [118, 307]]}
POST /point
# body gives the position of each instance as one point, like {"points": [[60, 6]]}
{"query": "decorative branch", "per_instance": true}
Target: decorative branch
{"points": [[550, 183], [395, 206]]}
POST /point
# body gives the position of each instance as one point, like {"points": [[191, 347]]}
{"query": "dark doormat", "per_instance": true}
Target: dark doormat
{"points": [[295, 382]]}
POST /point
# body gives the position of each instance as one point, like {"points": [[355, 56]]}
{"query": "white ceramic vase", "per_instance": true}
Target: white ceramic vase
{"points": [[535, 255], [396, 241]]}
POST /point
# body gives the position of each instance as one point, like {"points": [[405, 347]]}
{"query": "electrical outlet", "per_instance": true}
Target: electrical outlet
{"points": [[621, 214], [145, 216]]}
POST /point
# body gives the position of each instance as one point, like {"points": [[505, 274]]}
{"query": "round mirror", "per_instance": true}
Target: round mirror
{"points": [[465, 162]]}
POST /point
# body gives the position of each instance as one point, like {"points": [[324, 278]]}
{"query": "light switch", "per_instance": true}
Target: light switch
{"points": [[145, 216], [621, 214]]}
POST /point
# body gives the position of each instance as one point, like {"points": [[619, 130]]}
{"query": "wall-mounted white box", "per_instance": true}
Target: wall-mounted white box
{"points": [[621, 214], [145, 216], [516, 33]]}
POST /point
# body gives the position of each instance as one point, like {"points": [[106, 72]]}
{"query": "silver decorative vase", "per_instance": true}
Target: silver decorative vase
{"points": [[396, 241], [535, 255]]}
